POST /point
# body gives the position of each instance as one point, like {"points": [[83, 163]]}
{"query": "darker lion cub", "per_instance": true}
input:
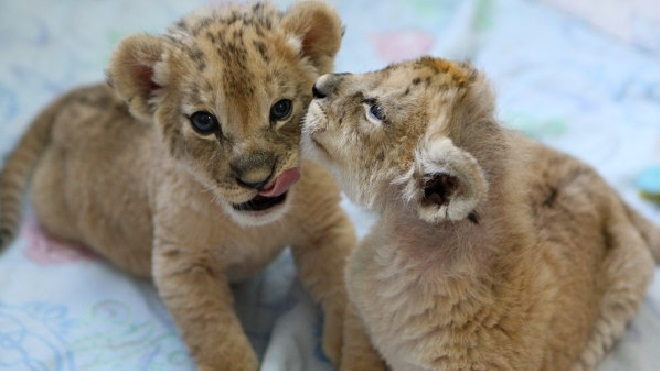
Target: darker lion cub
{"points": [[492, 252], [186, 168]]}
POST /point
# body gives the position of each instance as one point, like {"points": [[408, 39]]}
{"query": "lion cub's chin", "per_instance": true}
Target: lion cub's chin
{"points": [[243, 214]]}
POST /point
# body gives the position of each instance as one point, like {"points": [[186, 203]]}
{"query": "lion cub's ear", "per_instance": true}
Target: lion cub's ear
{"points": [[137, 73], [450, 182], [318, 28]]}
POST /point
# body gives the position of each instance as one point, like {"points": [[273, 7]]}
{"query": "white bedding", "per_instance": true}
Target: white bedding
{"points": [[559, 79]]}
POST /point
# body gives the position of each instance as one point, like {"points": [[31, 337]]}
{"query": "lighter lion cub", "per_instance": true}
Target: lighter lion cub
{"points": [[491, 252], [186, 168]]}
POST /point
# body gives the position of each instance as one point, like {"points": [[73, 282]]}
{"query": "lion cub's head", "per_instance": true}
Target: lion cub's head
{"points": [[227, 90], [421, 132]]}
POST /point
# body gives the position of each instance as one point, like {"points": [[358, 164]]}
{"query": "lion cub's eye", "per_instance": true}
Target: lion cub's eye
{"points": [[204, 122], [374, 111], [281, 110]]}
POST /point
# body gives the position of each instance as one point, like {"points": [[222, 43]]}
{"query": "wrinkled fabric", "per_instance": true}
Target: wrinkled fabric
{"points": [[558, 78]]}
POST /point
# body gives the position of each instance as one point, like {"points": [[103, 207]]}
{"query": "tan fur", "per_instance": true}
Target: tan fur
{"points": [[121, 169], [491, 251]]}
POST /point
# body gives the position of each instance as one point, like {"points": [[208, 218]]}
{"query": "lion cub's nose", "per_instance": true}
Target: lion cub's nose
{"points": [[316, 93], [254, 170], [323, 86]]}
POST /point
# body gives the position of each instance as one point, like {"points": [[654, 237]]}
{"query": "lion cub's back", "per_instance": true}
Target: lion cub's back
{"points": [[94, 113], [570, 205], [95, 172]]}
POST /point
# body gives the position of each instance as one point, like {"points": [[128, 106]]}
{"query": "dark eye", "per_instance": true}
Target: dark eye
{"points": [[376, 111], [204, 122], [281, 110]]}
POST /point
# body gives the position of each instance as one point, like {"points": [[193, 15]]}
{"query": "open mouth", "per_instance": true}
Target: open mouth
{"points": [[272, 196], [260, 203]]}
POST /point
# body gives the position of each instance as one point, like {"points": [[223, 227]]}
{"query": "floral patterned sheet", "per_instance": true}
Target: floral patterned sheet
{"points": [[557, 78]]}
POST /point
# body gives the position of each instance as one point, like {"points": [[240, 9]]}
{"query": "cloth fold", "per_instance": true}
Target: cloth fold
{"points": [[557, 78]]}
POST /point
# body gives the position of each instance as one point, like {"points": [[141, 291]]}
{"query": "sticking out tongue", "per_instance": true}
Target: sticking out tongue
{"points": [[282, 183]]}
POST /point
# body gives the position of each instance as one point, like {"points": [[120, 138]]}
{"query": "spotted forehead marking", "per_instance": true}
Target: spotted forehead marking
{"points": [[455, 74], [238, 35], [260, 16]]}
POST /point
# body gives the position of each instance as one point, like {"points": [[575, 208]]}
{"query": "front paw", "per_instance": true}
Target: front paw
{"points": [[333, 322], [361, 358], [222, 368], [248, 362], [358, 351]]}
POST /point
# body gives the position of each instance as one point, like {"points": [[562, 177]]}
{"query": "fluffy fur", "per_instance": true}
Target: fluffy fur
{"points": [[123, 169], [491, 251]]}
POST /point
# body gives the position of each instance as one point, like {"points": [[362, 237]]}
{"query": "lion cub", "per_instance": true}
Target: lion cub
{"points": [[186, 168], [491, 252]]}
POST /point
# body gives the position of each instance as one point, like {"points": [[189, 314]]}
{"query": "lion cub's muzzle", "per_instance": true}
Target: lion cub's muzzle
{"points": [[258, 171], [317, 120]]}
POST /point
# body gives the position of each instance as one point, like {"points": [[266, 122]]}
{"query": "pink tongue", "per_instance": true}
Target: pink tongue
{"points": [[283, 183]]}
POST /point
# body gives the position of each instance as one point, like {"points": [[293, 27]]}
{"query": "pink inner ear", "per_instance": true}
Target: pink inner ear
{"points": [[314, 34], [144, 74], [308, 40]]}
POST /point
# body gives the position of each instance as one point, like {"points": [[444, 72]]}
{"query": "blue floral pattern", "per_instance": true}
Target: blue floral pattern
{"points": [[33, 329], [558, 79]]}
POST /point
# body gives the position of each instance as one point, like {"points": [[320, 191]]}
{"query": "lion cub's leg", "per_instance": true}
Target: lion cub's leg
{"points": [[358, 352], [321, 257], [320, 261], [200, 300], [627, 271]]}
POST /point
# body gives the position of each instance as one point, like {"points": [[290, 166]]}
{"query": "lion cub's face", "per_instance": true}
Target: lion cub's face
{"points": [[410, 132], [227, 90]]}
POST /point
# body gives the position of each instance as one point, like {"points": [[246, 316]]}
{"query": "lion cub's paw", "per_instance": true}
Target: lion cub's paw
{"points": [[231, 360], [447, 183], [358, 352], [245, 366], [222, 368], [333, 324]]}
